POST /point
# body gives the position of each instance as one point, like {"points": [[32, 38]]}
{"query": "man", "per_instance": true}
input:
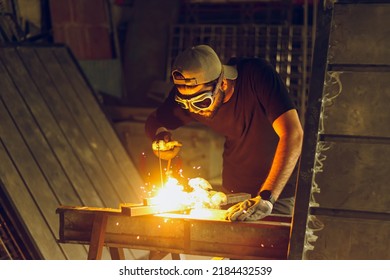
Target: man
{"points": [[249, 105]]}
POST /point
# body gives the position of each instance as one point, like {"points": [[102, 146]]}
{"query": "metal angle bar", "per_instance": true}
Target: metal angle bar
{"points": [[359, 67], [354, 139], [353, 214], [304, 184], [133, 210], [231, 198], [362, 1], [236, 197]]}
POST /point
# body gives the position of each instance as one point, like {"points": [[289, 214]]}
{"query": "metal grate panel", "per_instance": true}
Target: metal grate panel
{"points": [[283, 46]]}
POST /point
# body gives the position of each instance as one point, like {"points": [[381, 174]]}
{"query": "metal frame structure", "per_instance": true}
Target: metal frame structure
{"points": [[304, 184], [173, 233], [331, 58]]}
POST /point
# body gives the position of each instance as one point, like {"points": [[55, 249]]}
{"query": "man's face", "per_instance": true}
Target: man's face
{"points": [[203, 99]]}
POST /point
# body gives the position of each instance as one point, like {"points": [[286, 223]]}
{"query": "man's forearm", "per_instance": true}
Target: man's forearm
{"points": [[290, 133], [286, 157]]}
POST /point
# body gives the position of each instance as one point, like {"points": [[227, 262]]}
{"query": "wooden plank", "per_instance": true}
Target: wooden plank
{"points": [[22, 140], [130, 185], [34, 222], [58, 125], [29, 190], [84, 138], [88, 112], [16, 145], [25, 99], [51, 164]]}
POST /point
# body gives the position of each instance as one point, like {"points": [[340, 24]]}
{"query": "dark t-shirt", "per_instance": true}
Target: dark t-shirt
{"points": [[245, 121]]}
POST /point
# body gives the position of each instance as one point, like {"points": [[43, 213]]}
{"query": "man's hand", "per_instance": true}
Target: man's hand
{"points": [[249, 210], [164, 147]]}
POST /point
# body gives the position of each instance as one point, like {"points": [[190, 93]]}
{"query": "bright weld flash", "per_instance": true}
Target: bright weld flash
{"points": [[173, 196]]}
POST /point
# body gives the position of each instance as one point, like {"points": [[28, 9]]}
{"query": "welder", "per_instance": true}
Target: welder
{"points": [[247, 102]]}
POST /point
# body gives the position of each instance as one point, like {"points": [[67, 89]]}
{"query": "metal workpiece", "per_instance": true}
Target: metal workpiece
{"points": [[207, 235], [231, 198]]}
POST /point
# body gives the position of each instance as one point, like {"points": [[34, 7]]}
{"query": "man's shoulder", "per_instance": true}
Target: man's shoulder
{"points": [[252, 64], [241, 61]]}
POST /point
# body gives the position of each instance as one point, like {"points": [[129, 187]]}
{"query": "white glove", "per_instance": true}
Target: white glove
{"points": [[249, 210]]}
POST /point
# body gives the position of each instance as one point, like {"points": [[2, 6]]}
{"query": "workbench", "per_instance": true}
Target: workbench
{"points": [[175, 233]]}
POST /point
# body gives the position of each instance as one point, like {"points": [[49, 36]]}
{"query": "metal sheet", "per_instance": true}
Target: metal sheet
{"points": [[355, 177], [360, 34], [351, 239], [179, 233], [361, 108]]}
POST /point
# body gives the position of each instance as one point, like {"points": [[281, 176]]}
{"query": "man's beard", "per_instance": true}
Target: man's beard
{"points": [[218, 101]]}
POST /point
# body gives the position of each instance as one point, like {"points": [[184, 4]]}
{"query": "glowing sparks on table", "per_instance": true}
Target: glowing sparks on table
{"points": [[200, 195]]}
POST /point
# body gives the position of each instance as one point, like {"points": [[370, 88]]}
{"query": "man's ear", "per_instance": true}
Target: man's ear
{"points": [[224, 84]]}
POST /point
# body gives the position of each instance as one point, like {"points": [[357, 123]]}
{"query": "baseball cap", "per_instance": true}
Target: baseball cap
{"points": [[199, 65]]}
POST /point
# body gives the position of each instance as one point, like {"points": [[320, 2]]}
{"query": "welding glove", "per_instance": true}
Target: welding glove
{"points": [[249, 210], [164, 147]]}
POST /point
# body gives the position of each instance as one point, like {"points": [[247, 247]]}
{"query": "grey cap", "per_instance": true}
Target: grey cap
{"points": [[200, 65]]}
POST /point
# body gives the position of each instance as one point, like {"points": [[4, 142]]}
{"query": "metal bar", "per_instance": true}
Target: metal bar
{"points": [[354, 139], [157, 255], [359, 67], [134, 210], [236, 197], [117, 253], [353, 214], [231, 198], [362, 1], [304, 184], [97, 236], [304, 63]]}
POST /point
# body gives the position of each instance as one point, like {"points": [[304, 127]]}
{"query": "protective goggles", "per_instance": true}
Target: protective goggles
{"points": [[201, 102]]}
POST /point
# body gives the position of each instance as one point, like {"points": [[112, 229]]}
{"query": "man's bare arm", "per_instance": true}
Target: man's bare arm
{"points": [[289, 129]]}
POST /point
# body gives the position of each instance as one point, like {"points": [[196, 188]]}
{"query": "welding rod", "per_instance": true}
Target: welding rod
{"points": [[159, 161]]}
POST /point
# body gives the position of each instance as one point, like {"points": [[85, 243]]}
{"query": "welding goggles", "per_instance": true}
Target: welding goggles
{"points": [[197, 103], [201, 102]]}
